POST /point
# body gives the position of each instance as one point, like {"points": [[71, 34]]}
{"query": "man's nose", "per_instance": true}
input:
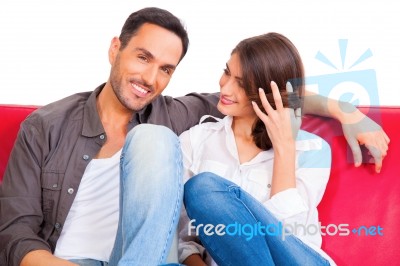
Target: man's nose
{"points": [[149, 76]]}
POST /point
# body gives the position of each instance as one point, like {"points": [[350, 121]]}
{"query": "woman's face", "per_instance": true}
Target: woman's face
{"points": [[233, 99]]}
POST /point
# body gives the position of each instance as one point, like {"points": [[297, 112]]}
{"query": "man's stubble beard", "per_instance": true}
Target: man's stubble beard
{"points": [[116, 81]]}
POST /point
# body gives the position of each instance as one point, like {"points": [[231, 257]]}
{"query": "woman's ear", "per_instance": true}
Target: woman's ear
{"points": [[114, 49]]}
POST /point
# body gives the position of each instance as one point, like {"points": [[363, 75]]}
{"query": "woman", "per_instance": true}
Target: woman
{"points": [[252, 187]]}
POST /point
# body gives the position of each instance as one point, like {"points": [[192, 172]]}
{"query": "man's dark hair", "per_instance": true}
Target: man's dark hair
{"points": [[157, 16]]}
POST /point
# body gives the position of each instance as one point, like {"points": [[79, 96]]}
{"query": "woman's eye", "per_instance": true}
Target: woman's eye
{"points": [[226, 72]]}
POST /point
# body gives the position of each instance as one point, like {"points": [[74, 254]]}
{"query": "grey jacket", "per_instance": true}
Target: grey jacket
{"points": [[54, 146]]}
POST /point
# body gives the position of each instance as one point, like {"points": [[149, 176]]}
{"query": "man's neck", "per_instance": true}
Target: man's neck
{"points": [[115, 118], [110, 109]]}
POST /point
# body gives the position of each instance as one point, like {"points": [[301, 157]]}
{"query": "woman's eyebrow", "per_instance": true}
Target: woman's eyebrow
{"points": [[236, 77]]}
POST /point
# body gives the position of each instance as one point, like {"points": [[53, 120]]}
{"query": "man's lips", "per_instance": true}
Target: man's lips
{"points": [[226, 101], [139, 91]]}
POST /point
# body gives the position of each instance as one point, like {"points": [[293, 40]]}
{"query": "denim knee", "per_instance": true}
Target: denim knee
{"points": [[199, 186], [152, 151], [200, 182], [151, 135]]}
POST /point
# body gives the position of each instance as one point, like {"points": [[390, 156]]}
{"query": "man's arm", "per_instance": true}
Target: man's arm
{"points": [[358, 129], [43, 258], [20, 198]]}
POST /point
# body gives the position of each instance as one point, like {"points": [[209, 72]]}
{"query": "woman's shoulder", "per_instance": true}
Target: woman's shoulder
{"points": [[207, 127], [209, 123]]}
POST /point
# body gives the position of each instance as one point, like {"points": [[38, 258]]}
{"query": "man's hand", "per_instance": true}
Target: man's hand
{"points": [[359, 129], [43, 258]]}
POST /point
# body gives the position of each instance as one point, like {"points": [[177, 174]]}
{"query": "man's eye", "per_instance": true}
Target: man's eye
{"points": [[167, 70], [143, 58]]}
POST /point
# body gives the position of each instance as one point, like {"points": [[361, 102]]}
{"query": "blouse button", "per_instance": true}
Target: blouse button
{"points": [[269, 185]]}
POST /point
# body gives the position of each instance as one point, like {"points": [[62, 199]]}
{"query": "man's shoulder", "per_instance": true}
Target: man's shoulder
{"points": [[70, 106]]}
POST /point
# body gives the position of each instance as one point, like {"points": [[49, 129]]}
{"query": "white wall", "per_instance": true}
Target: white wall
{"points": [[50, 49]]}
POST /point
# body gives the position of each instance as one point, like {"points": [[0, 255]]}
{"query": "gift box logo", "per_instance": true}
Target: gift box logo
{"points": [[358, 87]]}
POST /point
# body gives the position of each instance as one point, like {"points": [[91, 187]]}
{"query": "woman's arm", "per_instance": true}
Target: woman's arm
{"points": [[282, 126]]}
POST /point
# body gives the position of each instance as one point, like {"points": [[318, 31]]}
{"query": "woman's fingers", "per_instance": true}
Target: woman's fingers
{"points": [[277, 96], [264, 101]]}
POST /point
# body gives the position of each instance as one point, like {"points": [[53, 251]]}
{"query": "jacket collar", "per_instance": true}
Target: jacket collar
{"points": [[92, 125]]}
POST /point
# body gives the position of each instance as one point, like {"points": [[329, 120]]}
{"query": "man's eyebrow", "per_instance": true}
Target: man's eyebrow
{"points": [[151, 56], [146, 52]]}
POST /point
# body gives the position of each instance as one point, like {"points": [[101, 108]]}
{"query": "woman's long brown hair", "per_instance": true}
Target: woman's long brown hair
{"points": [[265, 58]]}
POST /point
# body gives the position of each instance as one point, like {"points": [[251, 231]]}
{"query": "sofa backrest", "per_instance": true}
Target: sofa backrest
{"points": [[11, 117], [355, 199], [367, 202]]}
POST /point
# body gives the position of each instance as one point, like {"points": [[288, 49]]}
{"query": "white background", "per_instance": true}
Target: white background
{"points": [[51, 48]]}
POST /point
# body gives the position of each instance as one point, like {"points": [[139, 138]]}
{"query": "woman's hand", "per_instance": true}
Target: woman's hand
{"points": [[282, 126]]}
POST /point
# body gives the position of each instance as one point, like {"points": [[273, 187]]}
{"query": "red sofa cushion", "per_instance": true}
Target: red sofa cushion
{"points": [[11, 118], [354, 196], [359, 197]]}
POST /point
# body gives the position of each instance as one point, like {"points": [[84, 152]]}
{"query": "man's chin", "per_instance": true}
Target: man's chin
{"points": [[137, 107]]}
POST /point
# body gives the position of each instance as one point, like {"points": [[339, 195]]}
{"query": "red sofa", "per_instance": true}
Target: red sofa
{"points": [[356, 199]]}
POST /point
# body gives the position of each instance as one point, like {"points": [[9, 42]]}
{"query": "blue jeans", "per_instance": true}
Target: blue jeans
{"points": [[151, 196], [210, 199], [90, 262]]}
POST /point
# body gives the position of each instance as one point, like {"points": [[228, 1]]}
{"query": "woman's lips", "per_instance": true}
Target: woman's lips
{"points": [[226, 101]]}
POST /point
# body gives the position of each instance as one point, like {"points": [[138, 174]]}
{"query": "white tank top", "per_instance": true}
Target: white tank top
{"points": [[91, 225]]}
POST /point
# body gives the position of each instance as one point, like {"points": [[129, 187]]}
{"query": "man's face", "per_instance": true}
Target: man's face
{"points": [[142, 70]]}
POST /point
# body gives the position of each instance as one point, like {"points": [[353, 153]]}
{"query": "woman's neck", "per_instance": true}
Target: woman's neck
{"points": [[242, 131], [242, 127]]}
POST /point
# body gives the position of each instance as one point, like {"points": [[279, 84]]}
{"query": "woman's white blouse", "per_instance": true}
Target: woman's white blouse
{"points": [[211, 147]]}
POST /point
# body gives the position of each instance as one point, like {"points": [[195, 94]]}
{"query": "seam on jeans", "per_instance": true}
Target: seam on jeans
{"points": [[309, 249], [234, 189], [216, 255], [178, 161]]}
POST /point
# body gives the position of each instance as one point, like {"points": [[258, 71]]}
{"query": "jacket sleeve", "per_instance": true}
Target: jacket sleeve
{"points": [[190, 108], [20, 196]]}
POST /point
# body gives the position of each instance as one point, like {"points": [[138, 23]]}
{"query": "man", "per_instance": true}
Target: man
{"points": [[60, 193]]}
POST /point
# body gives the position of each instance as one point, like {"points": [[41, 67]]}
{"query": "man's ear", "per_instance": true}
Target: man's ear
{"points": [[113, 50]]}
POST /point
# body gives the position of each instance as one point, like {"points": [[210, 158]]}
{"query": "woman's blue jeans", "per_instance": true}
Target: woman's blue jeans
{"points": [[150, 196], [210, 199]]}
